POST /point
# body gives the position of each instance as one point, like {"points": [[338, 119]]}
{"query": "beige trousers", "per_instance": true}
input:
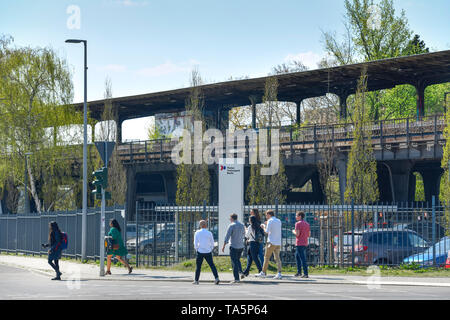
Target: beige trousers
{"points": [[275, 250]]}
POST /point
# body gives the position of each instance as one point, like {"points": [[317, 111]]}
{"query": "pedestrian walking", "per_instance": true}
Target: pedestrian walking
{"points": [[204, 245], [273, 230], [54, 243], [255, 235], [235, 235], [255, 212], [118, 249], [302, 233]]}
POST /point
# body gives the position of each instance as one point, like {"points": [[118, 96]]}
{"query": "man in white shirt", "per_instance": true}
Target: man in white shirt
{"points": [[273, 246], [204, 245]]}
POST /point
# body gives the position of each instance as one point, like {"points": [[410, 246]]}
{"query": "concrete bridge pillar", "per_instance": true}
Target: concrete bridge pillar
{"points": [[317, 189], [431, 182], [131, 192], [401, 179]]}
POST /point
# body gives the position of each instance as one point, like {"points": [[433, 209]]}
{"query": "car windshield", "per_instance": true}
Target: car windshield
{"points": [[347, 239], [442, 247]]}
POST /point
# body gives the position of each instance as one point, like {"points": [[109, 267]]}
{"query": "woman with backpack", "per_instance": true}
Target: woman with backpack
{"points": [[255, 235], [118, 248], [54, 243], [255, 212]]}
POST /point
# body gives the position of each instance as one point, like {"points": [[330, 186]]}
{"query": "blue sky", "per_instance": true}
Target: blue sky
{"points": [[148, 45]]}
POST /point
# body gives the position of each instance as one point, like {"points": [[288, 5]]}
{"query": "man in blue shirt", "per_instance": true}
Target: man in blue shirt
{"points": [[235, 235]]}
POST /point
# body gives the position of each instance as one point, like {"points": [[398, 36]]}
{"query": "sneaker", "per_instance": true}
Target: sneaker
{"points": [[217, 281], [56, 278], [195, 282], [305, 276], [235, 281], [298, 275], [242, 276], [260, 275], [278, 276]]}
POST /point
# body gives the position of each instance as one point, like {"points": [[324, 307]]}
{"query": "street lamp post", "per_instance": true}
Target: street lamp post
{"points": [[84, 216]]}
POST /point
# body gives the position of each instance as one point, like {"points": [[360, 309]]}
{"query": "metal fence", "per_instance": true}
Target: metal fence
{"points": [[21, 233], [341, 235]]}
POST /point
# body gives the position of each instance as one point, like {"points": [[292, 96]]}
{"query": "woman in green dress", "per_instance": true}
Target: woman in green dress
{"points": [[118, 250]]}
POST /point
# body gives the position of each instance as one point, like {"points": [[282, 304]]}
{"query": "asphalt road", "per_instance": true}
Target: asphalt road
{"points": [[17, 284]]}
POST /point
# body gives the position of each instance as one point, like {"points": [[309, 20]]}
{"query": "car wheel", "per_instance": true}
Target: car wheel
{"points": [[383, 262], [148, 249]]}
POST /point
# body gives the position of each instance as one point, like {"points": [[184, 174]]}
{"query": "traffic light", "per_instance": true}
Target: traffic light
{"points": [[100, 182]]}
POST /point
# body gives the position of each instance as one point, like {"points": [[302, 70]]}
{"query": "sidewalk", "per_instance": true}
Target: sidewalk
{"points": [[91, 272]]}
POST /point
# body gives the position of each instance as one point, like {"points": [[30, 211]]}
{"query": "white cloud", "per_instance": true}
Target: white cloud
{"points": [[309, 59]]}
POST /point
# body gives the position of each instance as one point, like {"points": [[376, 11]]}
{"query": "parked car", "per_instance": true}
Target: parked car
{"points": [[143, 230], [425, 258], [424, 228], [288, 246], [387, 246], [165, 236], [346, 245]]}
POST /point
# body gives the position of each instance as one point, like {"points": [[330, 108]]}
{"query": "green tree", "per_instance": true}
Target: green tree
{"points": [[193, 180], [373, 32], [116, 171], [36, 90], [362, 184], [263, 189]]}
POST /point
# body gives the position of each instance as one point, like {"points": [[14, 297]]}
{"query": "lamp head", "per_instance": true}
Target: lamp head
{"points": [[75, 41]]}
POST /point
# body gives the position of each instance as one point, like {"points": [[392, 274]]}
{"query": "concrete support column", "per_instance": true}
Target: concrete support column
{"points": [[431, 183], [298, 118], [401, 174], [131, 192], [420, 90], [317, 188], [412, 187], [341, 165], [343, 104], [118, 131], [253, 104], [224, 119]]}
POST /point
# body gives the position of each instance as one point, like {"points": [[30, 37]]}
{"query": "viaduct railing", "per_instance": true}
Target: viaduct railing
{"points": [[386, 135]]}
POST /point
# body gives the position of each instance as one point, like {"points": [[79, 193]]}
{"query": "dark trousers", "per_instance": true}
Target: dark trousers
{"points": [[300, 256], [209, 258], [261, 253], [55, 265], [235, 255], [253, 255]]}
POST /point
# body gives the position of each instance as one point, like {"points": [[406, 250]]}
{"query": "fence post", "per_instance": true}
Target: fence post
{"points": [[204, 210], [433, 224], [276, 207], [17, 234], [353, 234], [176, 235], [137, 234]]}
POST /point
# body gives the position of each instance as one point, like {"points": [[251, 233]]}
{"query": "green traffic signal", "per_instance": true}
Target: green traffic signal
{"points": [[100, 182]]}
